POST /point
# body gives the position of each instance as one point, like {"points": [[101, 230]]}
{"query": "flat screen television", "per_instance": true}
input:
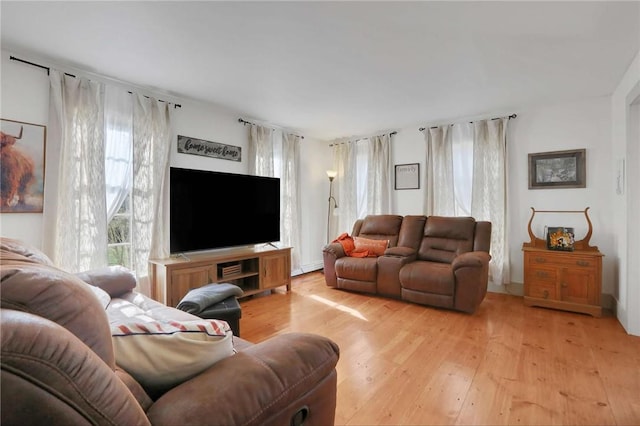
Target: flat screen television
{"points": [[211, 210]]}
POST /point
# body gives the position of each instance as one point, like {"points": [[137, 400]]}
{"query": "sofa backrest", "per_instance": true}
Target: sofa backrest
{"points": [[444, 238], [411, 231], [482, 238], [379, 227], [29, 284]]}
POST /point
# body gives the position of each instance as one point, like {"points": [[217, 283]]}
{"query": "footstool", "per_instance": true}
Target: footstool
{"points": [[228, 310], [215, 301]]}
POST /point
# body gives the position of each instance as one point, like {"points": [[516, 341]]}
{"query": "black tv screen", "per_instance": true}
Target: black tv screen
{"points": [[210, 210]]}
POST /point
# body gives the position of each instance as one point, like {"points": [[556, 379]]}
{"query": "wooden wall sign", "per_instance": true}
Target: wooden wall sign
{"points": [[187, 145]]}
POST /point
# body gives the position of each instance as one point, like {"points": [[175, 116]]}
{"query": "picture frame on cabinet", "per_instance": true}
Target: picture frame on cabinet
{"points": [[560, 238], [22, 157], [558, 169]]}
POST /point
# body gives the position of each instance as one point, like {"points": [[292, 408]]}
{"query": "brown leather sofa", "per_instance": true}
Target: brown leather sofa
{"points": [[436, 261], [58, 364]]}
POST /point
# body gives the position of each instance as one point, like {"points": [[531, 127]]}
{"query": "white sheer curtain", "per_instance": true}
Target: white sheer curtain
{"points": [[261, 151], [151, 141], [290, 205], [489, 194], [466, 176], [78, 239], [106, 132], [378, 175], [440, 198], [345, 187]]}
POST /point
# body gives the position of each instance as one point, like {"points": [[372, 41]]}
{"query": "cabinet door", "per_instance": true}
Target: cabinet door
{"points": [[577, 285], [183, 280], [276, 270]]}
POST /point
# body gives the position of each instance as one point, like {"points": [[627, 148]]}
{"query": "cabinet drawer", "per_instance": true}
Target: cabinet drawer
{"points": [[563, 259], [541, 275], [541, 290]]}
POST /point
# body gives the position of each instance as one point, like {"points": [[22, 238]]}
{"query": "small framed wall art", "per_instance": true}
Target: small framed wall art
{"points": [[22, 153], [407, 176], [558, 169]]}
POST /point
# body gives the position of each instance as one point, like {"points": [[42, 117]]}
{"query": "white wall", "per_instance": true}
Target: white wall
{"points": [[625, 116], [582, 124], [25, 97], [572, 125]]}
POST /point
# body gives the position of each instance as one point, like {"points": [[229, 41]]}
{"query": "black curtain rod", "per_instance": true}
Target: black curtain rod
{"points": [[497, 118], [340, 143], [159, 100], [245, 122], [13, 58]]}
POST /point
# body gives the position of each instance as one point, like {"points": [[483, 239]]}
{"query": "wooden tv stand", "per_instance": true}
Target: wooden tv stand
{"points": [[254, 269]]}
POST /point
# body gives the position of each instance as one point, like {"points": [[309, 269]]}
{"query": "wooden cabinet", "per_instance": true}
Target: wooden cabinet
{"points": [[569, 280], [563, 280], [253, 269], [276, 270]]}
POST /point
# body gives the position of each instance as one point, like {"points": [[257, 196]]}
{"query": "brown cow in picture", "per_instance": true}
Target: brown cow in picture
{"points": [[16, 171]]}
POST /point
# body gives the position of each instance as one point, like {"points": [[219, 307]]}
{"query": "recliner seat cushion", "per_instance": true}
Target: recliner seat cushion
{"points": [[160, 353], [361, 269], [428, 277]]}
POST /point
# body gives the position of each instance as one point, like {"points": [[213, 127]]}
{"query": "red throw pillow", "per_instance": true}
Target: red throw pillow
{"points": [[347, 243], [374, 247]]}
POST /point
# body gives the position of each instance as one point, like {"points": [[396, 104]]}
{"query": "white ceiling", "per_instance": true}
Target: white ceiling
{"points": [[336, 69]]}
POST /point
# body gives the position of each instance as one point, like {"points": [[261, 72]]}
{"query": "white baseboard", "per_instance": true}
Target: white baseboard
{"points": [[309, 267], [514, 289]]}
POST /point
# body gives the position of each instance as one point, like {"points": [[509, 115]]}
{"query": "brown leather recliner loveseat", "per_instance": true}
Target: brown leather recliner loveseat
{"points": [[58, 364], [436, 261]]}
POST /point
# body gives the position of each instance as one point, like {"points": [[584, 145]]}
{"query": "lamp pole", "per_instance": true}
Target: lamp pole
{"points": [[331, 174]]}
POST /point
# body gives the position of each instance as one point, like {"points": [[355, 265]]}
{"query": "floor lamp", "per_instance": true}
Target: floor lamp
{"points": [[331, 174]]}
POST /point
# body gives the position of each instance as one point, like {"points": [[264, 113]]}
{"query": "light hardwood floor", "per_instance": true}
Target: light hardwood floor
{"points": [[402, 363]]}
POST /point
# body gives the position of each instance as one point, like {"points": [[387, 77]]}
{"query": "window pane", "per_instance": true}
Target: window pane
{"points": [[119, 255], [118, 231], [124, 207], [462, 152]]}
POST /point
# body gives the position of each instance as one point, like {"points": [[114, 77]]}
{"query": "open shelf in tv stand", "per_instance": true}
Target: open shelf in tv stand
{"points": [[254, 269]]}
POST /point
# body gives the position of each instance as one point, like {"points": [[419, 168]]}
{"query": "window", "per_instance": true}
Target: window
{"points": [[118, 153], [119, 236], [462, 158]]}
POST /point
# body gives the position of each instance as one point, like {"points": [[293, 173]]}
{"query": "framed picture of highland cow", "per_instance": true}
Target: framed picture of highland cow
{"points": [[22, 150]]}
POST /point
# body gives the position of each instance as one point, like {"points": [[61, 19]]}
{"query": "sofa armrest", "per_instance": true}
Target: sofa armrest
{"points": [[50, 377], [115, 280], [471, 272], [472, 259], [330, 253], [334, 249], [267, 383]]}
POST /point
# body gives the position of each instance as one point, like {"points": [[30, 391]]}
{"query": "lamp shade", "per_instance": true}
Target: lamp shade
{"points": [[331, 174]]}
